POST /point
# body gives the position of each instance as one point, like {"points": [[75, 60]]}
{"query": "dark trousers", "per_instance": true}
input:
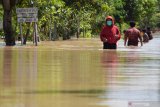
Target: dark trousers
{"points": [[132, 43], [107, 45]]}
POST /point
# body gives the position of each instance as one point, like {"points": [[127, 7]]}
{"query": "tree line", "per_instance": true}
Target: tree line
{"points": [[84, 18]]}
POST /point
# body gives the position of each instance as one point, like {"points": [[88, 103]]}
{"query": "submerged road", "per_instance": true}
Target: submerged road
{"points": [[78, 73]]}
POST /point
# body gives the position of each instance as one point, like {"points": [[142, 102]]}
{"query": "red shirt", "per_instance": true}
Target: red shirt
{"points": [[109, 32]]}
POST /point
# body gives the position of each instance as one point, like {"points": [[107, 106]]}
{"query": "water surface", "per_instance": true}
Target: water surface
{"points": [[78, 73]]}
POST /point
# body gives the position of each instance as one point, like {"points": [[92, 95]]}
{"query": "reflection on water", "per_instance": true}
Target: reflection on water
{"points": [[7, 78], [131, 78], [78, 73]]}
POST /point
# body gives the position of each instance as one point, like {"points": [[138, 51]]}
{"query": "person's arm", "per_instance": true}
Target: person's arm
{"points": [[140, 38], [102, 36], [118, 34], [125, 38]]}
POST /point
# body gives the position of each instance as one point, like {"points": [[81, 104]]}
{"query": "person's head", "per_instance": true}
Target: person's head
{"points": [[148, 28], [132, 23], [144, 30], [124, 31], [109, 21]]}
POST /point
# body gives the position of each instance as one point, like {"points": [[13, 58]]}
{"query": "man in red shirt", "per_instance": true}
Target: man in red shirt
{"points": [[132, 35], [110, 34]]}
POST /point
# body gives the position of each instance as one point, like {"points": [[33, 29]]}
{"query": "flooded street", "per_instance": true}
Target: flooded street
{"points": [[78, 73]]}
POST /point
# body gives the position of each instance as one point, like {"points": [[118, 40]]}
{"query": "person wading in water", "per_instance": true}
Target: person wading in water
{"points": [[132, 36], [110, 34]]}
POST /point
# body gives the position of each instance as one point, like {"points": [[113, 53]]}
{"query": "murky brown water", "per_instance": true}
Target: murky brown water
{"points": [[78, 73]]}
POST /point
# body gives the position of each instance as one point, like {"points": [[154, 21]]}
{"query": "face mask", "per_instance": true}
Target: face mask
{"points": [[109, 23]]}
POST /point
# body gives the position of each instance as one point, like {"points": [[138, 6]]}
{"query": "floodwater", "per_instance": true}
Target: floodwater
{"points": [[78, 73]]}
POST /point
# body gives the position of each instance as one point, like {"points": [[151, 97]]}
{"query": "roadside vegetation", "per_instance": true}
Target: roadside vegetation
{"points": [[63, 19]]}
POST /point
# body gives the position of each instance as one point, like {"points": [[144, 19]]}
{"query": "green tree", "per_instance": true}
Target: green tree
{"points": [[131, 8], [148, 9], [65, 18]]}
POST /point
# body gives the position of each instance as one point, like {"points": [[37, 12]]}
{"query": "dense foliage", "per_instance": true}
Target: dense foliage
{"points": [[84, 18]]}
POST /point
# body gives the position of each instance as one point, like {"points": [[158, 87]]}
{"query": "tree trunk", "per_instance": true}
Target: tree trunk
{"points": [[7, 22], [78, 29], [7, 27]]}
